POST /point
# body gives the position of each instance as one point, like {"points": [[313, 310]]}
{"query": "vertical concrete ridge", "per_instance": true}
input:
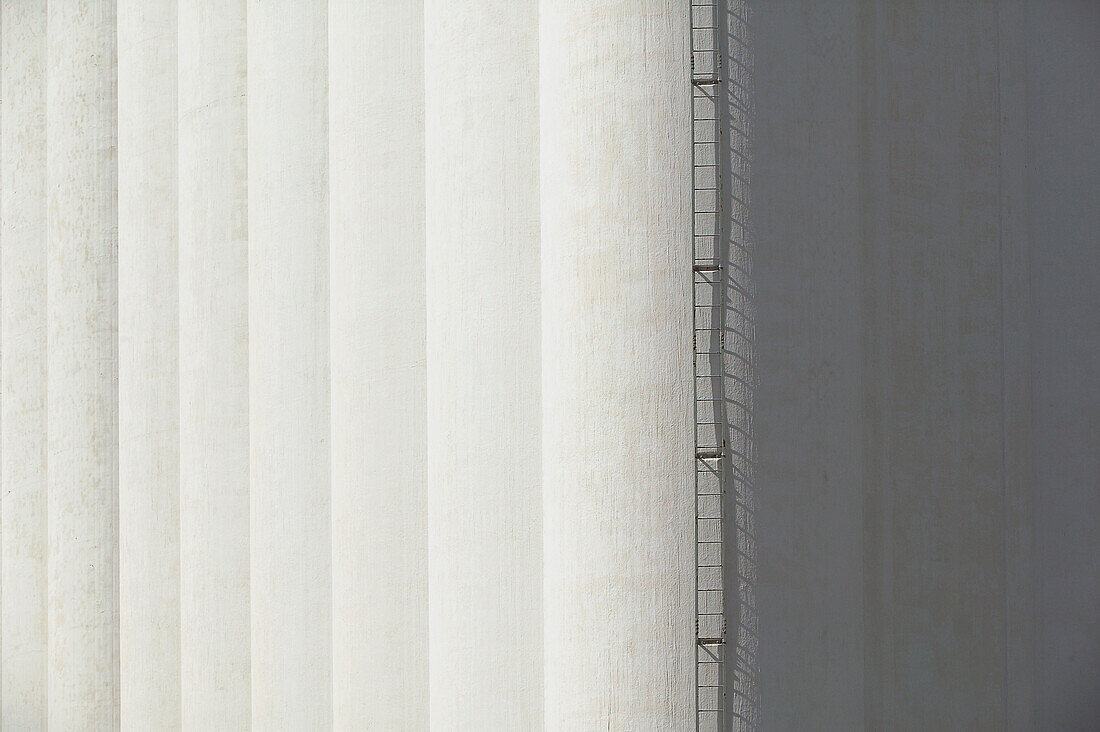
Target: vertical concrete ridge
{"points": [[377, 345], [483, 362], [877, 560], [82, 372], [148, 380], [24, 669], [216, 648], [288, 341], [615, 183], [1017, 461], [1062, 159], [891, 198]]}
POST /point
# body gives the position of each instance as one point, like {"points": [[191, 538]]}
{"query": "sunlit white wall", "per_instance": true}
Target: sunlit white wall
{"points": [[273, 366]]}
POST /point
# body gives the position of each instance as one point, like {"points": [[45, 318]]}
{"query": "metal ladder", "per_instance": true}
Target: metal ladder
{"points": [[707, 343]]}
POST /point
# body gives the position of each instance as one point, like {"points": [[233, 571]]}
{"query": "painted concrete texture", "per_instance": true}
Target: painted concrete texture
{"points": [[288, 366], [1063, 155], [484, 410], [346, 370], [24, 669], [215, 637], [81, 322], [148, 367], [616, 335], [925, 413], [377, 334]]}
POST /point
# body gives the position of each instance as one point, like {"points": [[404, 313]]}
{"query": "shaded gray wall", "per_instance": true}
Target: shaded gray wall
{"points": [[1063, 145], [927, 389]]}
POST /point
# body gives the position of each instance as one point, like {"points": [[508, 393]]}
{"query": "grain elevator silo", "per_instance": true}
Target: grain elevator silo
{"points": [[548, 364]]}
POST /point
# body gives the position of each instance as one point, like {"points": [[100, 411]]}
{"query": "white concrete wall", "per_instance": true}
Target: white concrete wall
{"points": [[377, 335], [418, 454], [483, 335], [288, 365], [617, 380], [23, 514], [215, 633], [82, 371], [148, 379]]}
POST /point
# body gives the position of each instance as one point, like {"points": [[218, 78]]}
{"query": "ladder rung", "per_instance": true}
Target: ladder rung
{"points": [[711, 641]]}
